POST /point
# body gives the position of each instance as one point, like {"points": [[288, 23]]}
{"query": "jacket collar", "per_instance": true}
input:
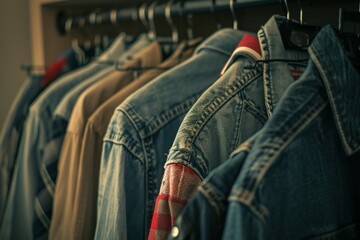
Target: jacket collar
{"points": [[277, 75], [342, 84]]}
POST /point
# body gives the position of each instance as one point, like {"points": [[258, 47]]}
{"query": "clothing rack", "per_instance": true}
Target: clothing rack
{"points": [[86, 17], [115, 16]]}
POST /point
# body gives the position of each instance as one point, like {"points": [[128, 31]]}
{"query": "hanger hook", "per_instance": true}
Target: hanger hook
{"points": [[68, 24], [151, 16], [113, 16], [301, 12], [187, 20], [286, 8], [92, 18], [232, 9], [142, 16], [175, 32], [216, 17]]}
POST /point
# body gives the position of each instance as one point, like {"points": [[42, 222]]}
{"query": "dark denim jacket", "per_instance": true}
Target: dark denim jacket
{"points": [[204, 215], [140, 134], [301, 179]]}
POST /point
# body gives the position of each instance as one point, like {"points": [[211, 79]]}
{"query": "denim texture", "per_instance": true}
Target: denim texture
{"points": [[12, 128], [19, 212], [301, 179], [231, 110], [204, 216], [228, 113], [140, 134], [11, 133], [48, 172]]}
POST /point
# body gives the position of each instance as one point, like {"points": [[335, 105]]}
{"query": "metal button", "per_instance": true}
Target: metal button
{"points": [[175, 232]]}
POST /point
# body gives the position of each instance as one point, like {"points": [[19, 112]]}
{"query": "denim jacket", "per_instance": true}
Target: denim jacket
{"points": [[204, 216], [227, 114], [301, 179], [140, 134], [11, 133]]}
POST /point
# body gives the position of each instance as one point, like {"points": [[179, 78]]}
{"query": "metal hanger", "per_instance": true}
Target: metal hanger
{"points": [[148, 23], [233, 13], [87, 45], [75, 42], [187, 19], [93, 19], [114, 15], [151, 17], [152, 34], [114, 21], [295, 34], [286, 9], [286, 31], [301, 13], [348, 16], [214, 13], [30, 69], [142, 16], [174, 30]]}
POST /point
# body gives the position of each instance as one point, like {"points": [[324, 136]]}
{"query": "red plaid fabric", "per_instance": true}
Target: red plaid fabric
{"points": [[178, 186]]}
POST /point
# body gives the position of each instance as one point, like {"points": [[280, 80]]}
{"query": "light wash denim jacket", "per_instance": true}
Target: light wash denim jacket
{"points": [[140, 134], [226, 115], [301, 179]]}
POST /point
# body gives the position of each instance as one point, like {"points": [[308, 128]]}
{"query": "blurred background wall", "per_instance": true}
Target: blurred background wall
{"points": [[14, 50]]}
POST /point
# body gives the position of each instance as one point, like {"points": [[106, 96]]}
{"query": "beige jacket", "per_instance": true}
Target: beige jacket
{"points": [[72, 217]]}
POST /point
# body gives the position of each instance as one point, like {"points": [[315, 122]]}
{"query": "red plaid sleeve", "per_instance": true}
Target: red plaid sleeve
{"points": [[178, 186]]}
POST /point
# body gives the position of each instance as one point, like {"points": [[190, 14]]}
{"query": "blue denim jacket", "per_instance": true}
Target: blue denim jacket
{"points": [[140, 134], [229, 112], [235, 107], [19, 212], [11, 133], [12, 128], [204, 216], [301, 179]]}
